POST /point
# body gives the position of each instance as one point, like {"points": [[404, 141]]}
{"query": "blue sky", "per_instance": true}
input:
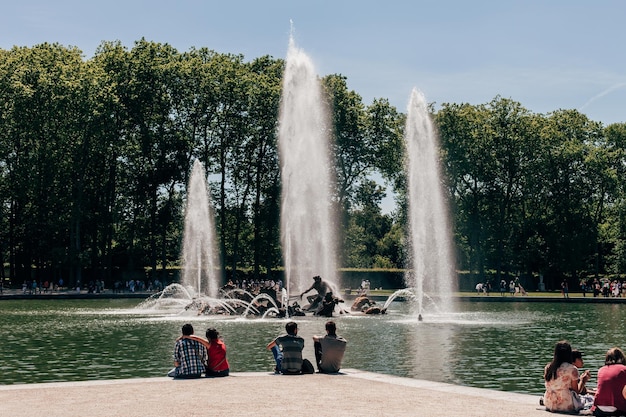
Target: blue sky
{"points": [[545, 54]]}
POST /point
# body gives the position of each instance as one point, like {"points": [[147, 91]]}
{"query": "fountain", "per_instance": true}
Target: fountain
{"points": [[200, 275], [201, 270], [307, 223], [431, 274]]}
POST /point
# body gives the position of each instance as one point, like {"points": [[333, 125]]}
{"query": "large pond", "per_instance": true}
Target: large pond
{"points": [[502, 346]]}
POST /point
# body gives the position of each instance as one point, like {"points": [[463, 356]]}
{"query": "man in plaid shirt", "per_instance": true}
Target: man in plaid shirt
{"points": [[189, 356]]}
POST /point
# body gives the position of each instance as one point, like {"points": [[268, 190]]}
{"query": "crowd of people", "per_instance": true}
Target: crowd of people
{"points": [[566, 390], [195, 356], [513, 287], [97, 286], [604, 287]]}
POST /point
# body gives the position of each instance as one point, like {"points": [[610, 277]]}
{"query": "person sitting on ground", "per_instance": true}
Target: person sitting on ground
{"points": [[610, 396], [562, 381], [287, 351], [321, 287], [586, 395], [577, 361], [329, 350], [189, 356], [217, 364]]}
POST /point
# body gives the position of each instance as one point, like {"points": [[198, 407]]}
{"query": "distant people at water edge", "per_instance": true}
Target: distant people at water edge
{"points": [[364, 288], [189, 356], [610, 396], [329, 350], [518, 287], [502, 287], [562, 381], [287, 351], [484, 288], [565, 288]]}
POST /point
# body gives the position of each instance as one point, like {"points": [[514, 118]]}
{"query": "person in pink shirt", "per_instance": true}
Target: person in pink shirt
{"points": [[611, 391]]}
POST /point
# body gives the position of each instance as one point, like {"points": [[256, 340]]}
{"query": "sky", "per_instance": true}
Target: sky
{"points": [[545, 54]]}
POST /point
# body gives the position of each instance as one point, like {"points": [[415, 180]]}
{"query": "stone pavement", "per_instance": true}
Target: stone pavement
{"points": [[351, 393]]}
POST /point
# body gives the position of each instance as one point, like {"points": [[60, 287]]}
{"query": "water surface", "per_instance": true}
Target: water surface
{"points": [[503, 346]]}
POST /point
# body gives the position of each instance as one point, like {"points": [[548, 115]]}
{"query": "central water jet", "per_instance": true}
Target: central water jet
{"points": [[200, 268], [432, 272], [307, 221]]}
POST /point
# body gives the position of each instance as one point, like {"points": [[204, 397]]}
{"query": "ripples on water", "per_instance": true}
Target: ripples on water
{"points": [[502, 346]]}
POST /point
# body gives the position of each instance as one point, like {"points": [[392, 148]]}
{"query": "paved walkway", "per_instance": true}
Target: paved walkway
{"points": [[352, 393]]}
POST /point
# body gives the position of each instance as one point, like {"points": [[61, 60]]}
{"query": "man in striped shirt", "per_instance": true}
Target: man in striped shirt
{"points": [[287, 350]]}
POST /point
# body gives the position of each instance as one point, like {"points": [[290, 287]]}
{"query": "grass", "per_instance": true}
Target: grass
{"points": [[543, 294]]}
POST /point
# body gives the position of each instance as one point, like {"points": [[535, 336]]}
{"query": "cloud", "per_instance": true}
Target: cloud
{"points": [[602, 94]]}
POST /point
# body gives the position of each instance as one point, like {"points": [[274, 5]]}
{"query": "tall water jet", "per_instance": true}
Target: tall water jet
{"points": [[200, 270], [431, 264], [307, 223]]}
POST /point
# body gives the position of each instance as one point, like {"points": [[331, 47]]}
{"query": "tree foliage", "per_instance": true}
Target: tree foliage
{"points": [[95, 157]]}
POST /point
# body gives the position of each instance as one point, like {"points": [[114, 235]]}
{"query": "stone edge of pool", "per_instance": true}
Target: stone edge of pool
{"points": [[352, 392]]}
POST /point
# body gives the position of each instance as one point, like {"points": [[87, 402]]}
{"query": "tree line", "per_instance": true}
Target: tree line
{"points": [[95, 155]]}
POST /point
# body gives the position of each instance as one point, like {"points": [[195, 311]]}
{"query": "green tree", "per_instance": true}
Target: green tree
{"points": [[612, 230], [366, 230], [571, 233], [466, 151], [264, 100], [366, 143], [47, 123]]}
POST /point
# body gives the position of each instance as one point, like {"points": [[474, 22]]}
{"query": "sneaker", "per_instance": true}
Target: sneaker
{"points": [[276, 371]]}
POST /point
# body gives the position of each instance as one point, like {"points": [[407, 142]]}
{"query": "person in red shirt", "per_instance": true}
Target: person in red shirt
{"points": [[217, 364], [611, 390]]}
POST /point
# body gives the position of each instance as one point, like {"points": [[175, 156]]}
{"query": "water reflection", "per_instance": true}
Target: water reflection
{"points": [[503, 346]]}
